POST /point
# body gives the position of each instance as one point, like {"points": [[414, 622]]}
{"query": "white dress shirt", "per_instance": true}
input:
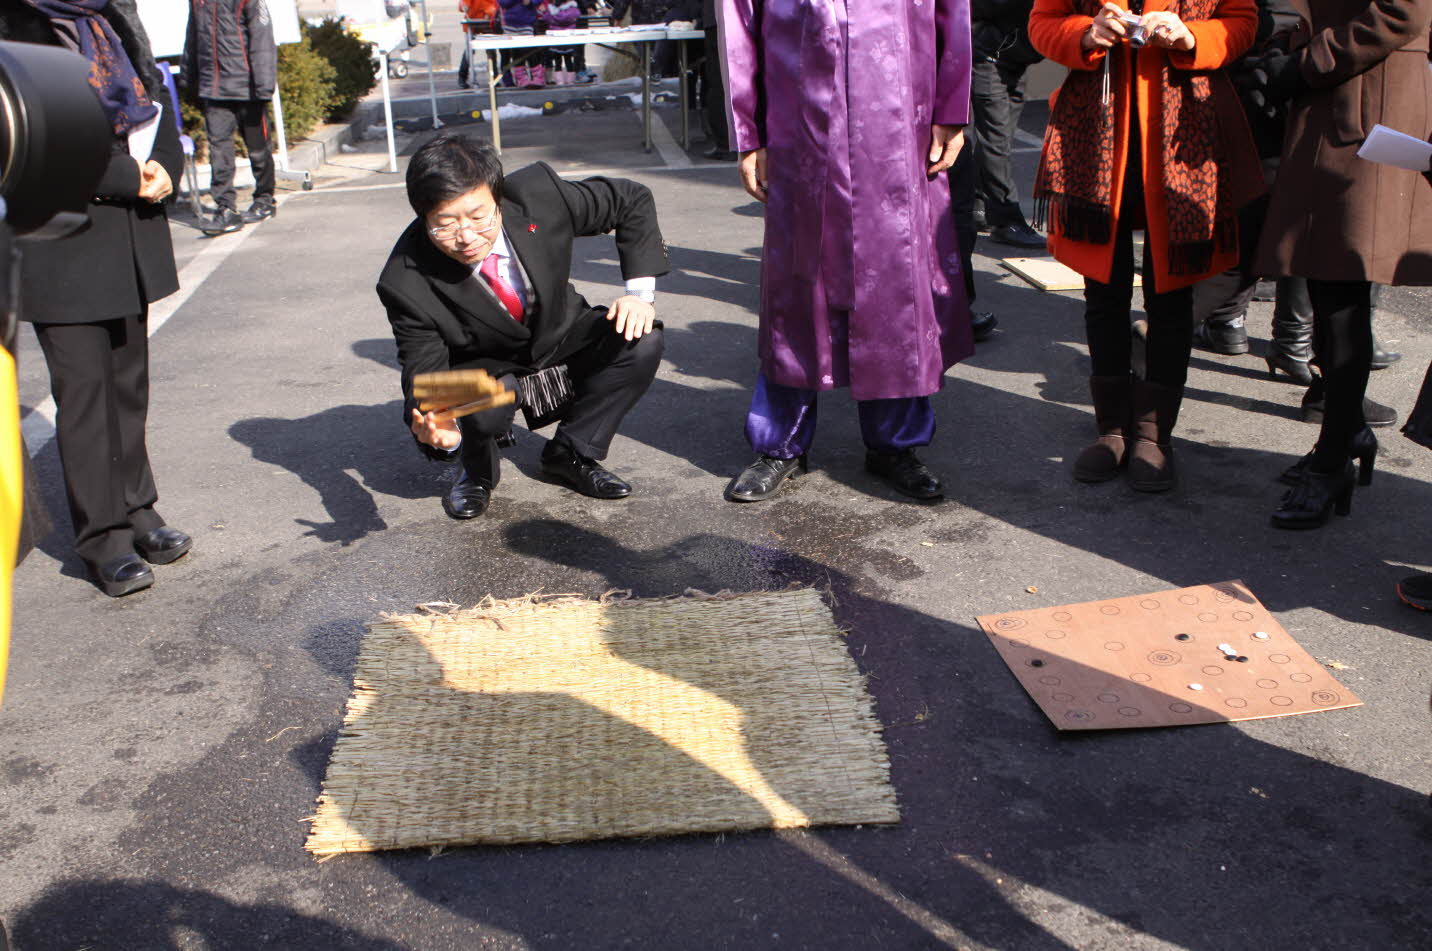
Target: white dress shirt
{"points": [[511, 272]]}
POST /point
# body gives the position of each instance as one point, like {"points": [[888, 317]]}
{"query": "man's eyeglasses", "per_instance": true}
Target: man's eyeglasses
{"points": [[455, 230]]}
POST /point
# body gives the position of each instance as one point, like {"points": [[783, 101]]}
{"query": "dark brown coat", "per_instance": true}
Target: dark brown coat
{"points": [[1333, 215]]}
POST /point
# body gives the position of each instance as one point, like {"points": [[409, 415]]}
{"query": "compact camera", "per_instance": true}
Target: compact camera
{"points": [[1136, 35]]}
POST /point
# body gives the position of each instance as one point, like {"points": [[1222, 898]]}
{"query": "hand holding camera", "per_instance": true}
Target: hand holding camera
{"points": [[1114, 24]]}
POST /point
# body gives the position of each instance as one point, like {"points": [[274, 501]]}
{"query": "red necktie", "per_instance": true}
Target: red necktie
{"points": [[501, 288]]}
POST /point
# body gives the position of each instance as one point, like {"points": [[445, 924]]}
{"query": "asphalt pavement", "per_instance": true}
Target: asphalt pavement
{"points": [[159, 753]]}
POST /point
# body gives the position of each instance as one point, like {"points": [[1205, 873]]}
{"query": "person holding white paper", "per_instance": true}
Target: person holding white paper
{"points": [[1344, 222]]}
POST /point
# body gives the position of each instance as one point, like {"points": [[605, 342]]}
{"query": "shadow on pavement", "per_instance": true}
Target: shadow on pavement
{"points": [[1201, 837], [155, 916]]}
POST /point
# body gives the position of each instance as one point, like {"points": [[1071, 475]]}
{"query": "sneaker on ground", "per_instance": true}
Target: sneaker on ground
{"points": [[260, 210], [223, 221]]}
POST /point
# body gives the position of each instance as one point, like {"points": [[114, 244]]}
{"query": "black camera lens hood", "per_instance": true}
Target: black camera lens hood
{"points": [[54, 138]]}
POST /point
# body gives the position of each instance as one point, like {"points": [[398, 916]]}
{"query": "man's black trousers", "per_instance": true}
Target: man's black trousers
{"points": [[99, 376], [222, 118], [997, 99], [608, 376]]}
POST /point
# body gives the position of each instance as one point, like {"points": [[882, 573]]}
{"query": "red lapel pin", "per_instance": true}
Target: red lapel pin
{"points": [[532, 229]]}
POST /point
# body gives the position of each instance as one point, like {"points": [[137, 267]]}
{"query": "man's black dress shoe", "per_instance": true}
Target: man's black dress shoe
{"points": [[1018, 234], [905, 473], [466, 498], [582, 474], [761, 479], [163, 545], [123, 575], [983, 323], [718, 154]]}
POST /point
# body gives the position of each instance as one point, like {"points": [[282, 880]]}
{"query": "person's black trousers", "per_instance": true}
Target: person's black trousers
{"points": [[99, 377], [996, 99], [713, 101], [962, 207], [222, 118], [1169, 341], [1342, 341], [608, 377]]}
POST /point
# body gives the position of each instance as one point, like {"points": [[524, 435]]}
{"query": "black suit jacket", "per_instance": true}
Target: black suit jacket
{"points": [[124, 260], [442, 316]]}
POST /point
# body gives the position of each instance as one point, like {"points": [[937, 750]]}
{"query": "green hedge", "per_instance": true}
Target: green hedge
{"points": [[356, 72]]}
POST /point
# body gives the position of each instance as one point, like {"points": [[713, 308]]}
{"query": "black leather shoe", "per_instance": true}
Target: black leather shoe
{"points": [[466, 499], [905, 473], [1019, 234], [1309, 503], [1373, 414], [163, 545], [1228, 337], [582, 474], [983, 323], [718, 154], [1382, 359], [223, 221], [124, 575], [260, 210], [761, 479]]}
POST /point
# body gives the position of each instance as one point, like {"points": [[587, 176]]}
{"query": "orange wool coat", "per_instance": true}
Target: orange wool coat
{"points": [[1056, 28]]}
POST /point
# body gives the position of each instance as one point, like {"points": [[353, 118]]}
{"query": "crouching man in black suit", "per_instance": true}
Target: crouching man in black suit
{"points": [[480, 281]]}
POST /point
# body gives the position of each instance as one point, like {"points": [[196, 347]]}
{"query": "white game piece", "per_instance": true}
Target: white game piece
{"points": [[1228, 650], [1262, 636], [1195, 686]]}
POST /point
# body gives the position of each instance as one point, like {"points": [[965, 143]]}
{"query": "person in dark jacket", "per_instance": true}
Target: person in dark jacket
{"points": [[88, 294], [480, 280], [231, 62], [1002, 52]]}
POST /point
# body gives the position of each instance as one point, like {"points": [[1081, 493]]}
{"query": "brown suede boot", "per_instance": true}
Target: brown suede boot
{"points": [[1102, 460], [1151, 450]]}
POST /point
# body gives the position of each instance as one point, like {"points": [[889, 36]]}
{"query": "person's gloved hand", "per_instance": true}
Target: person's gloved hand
{"points": [[1276, 79]]}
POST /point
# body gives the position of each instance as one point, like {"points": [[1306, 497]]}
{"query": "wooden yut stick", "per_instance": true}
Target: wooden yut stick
{"points": [[454, 393]]}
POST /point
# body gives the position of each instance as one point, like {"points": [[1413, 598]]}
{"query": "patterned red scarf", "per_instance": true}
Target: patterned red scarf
{"points": [[1210, 171]]}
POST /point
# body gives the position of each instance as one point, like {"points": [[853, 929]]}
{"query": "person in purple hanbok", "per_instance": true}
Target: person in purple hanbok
{"points": [[846, 113]]}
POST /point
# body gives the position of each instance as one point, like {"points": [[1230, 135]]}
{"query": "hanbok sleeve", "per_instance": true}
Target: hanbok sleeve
{"points": [[953, 63], [739, 29]]}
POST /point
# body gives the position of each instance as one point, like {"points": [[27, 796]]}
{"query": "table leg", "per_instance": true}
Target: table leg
{"points": [[646, 94], [493, 78], [685, 102]]}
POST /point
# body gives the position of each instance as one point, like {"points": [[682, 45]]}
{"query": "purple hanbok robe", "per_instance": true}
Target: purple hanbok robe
{"points": [[860, 277]]}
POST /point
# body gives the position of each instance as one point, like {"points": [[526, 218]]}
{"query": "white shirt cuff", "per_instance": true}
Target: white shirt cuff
{"points": [[643, 287]]}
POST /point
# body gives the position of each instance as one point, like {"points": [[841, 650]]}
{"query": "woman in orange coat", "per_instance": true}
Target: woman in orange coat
{"points": [[1143, 136]]}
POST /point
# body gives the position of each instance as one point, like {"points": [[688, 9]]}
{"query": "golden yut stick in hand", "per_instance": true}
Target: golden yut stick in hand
{"points": [[453, 393]]}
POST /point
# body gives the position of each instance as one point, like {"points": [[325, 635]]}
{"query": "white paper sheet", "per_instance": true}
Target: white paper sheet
{"points": [[1390, 147], [141, 137]]}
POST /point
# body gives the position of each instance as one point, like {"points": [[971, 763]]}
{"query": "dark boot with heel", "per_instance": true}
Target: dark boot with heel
{"points": [[1291, 347], [1155, 411], [1104, 458]]}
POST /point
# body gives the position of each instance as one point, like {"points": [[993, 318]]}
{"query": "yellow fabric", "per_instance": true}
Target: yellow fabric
{"points": [[11, 496]]}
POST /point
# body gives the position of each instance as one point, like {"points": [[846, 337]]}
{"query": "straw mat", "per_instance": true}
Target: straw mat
{"points": [[564, 718]]}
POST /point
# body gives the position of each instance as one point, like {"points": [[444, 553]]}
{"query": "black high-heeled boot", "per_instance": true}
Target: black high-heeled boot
{"points": [[1317, 494], [1291, 346], [1363, 448]]}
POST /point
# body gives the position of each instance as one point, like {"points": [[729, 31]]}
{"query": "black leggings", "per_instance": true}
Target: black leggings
{"points": [[1106, 306], [1342, 340], [1106, 320]]}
